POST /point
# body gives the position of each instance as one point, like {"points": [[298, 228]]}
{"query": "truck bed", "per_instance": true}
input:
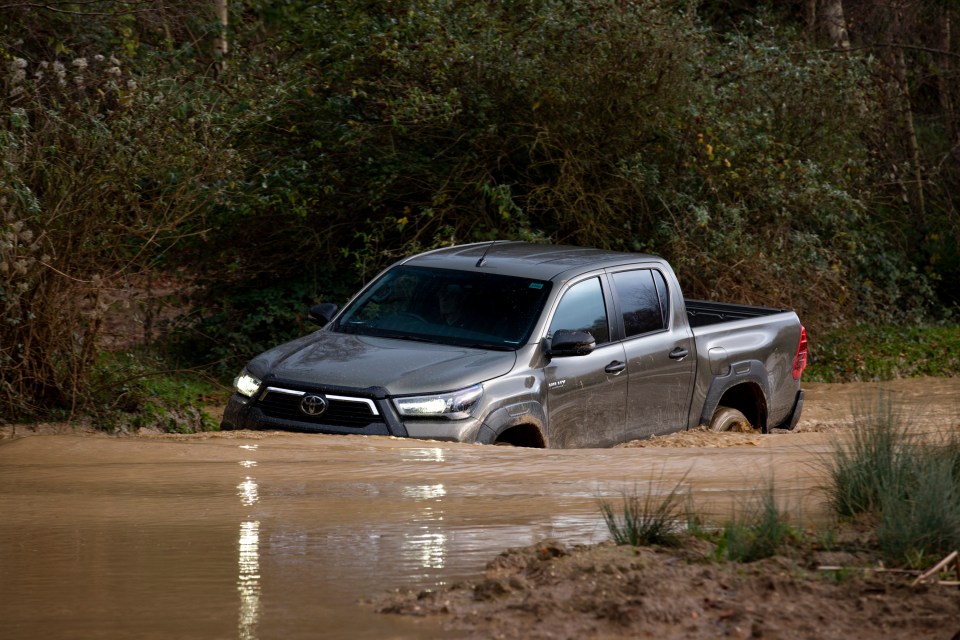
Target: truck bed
{"points": [[738, 342], [701, 313]]}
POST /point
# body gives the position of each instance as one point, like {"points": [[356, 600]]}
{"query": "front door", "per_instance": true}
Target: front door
{"points": [[586, 395]]}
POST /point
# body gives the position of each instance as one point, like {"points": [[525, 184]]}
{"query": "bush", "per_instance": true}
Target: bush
{"points": [[102, 173], [234, 323]]}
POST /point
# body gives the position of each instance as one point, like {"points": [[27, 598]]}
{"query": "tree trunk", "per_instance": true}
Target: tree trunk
{"points": [[903, 81], [944, 73], [810, 14], [221, 46], [836, 23]]}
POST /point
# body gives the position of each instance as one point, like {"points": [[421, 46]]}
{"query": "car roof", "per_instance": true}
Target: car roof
{"points": [[525, 259]]}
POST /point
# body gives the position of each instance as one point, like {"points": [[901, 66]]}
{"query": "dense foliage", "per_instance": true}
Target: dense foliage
{"points": [[768, 164]]}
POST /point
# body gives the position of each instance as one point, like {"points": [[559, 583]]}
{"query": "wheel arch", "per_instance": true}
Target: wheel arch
{"points": [[522, 424], [744, 389]]}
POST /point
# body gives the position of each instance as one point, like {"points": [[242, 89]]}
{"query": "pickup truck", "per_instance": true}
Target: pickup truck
{"points": [[528, 345]]}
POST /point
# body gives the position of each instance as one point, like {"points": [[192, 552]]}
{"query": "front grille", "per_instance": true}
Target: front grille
{"points": [[342, 411]]}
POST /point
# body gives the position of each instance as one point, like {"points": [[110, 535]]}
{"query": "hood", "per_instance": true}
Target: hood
{"points": [[402, 367]]}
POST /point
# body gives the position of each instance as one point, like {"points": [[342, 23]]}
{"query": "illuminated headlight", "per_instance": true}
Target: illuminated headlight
{"points": [[246, 384], [455, 405]]}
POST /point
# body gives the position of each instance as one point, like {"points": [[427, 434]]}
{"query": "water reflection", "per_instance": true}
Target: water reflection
{"points": [[427, 547], [248, 557], [248, 581], [425, 492], [429, 454], [248, 492]]}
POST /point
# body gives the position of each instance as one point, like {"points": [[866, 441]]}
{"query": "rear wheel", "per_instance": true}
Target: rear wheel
{"points": [[728, 419]]}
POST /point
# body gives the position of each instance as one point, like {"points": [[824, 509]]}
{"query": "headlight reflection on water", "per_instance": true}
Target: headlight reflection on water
{"points": [[248, 557], [427, 548], [425, 492], [248, 492], [248, 580]]}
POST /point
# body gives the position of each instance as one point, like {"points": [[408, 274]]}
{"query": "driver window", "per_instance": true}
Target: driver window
{"points": [[582, 309]]}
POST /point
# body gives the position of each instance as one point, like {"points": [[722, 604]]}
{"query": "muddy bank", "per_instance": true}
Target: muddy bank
{"points": [[550, 591]]}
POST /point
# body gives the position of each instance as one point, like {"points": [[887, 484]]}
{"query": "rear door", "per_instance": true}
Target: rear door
{"points": [[586, 395], [660, 358]]}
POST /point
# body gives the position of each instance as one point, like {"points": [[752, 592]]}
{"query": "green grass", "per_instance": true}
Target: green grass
{"points": [[908, 487], [885, 352], [896, 490], [872, 461], [649, 518], [760, 530], [138, 390], [920, 523]]}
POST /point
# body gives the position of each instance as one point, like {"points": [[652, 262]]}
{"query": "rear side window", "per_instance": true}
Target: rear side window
{"points": [[582, 309], [642, 299]]}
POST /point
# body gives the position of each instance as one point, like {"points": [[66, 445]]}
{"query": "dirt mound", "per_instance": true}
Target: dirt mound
{"points": [[604, 591], [699, 437]]}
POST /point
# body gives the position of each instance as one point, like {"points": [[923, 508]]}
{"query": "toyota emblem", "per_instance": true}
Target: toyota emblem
{"points": [[313, 405]]}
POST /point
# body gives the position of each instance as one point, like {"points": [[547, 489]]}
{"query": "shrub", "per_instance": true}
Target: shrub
{"points": [[133, 390], [102, 173]]}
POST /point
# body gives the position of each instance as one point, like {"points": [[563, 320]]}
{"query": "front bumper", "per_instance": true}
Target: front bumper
{"points": [[277, 407]]}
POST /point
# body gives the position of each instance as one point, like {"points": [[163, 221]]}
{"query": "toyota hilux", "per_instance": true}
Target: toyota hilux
{"points": [[530, 345]]}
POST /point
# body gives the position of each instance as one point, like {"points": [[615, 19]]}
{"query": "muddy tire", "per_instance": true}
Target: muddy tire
{"points": [[727, 419]]}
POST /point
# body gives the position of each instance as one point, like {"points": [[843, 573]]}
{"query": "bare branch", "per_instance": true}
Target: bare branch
{"points": [[62, 7]]}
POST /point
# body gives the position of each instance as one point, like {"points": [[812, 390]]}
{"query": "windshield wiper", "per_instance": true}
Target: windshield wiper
{"points": [[412, 338], [488, 346]]}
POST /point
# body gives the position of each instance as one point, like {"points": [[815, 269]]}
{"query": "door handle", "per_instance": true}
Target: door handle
{"points": [[615, 367], [679, 353]]}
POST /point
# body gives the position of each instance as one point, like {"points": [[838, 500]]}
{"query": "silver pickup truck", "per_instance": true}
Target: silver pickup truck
{"points": [[531, 345]]}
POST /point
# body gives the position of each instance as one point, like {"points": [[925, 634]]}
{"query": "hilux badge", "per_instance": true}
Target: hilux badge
{"points": [[313, 405]]}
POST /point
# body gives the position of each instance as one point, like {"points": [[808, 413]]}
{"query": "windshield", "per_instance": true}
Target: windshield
{"points": [[464, 308]]}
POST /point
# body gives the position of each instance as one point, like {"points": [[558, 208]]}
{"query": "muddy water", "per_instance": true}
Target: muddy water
{"points": [[279, 535]]}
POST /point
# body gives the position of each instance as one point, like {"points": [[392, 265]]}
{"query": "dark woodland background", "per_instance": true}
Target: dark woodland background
{"points": [[251, 158]]}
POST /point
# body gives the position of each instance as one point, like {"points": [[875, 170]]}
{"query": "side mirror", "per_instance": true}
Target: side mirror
{"points": [[322, 313], [571, 343]]}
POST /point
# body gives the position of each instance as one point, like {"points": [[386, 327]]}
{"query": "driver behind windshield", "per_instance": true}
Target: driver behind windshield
{"points": [[451, 302]]}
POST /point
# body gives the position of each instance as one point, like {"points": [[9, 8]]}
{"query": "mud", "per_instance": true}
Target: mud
{"points": [[547, 591], [268, 535]]}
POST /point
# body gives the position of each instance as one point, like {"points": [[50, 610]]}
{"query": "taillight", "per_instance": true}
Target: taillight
{"points": [[800, 361]]}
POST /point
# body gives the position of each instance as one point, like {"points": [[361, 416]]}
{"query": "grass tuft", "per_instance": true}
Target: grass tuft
{"points": [[909, 486], [648, 518], [873, 461], [759, 531]]}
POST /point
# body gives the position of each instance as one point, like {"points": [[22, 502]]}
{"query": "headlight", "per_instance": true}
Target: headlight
{"points": [[455, 405], [246, 384]]}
